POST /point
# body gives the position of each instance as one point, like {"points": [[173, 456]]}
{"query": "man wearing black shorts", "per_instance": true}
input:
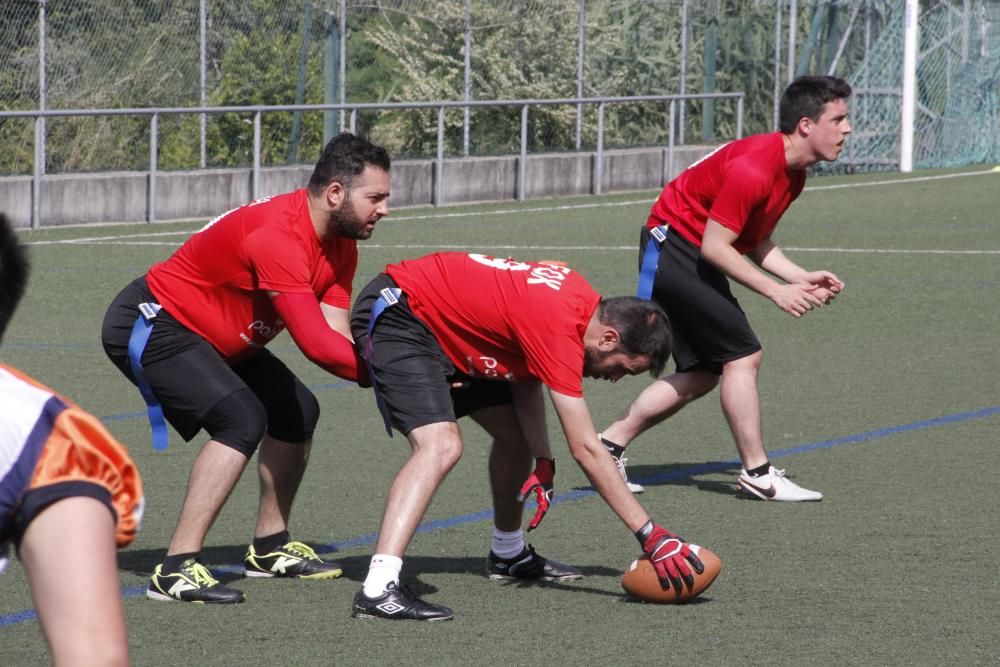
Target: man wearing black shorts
{"points": [[720, 209], [455, 334], [191, 335]]}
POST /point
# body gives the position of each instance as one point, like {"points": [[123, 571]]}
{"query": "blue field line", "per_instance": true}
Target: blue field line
{"points": [[690, 471]]}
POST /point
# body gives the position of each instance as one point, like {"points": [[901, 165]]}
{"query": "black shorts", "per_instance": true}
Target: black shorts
{"points": [[189, 377], [413, 375], [708, 324]]}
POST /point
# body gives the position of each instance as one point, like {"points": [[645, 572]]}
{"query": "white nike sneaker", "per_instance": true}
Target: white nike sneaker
{"points": [[773, 486], [633, 487]]}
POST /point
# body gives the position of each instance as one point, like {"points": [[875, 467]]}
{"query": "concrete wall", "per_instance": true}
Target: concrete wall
{"points": [[123, 196]]}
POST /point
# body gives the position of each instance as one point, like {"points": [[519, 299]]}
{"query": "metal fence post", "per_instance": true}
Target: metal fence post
{"points": [[42, 83], [342, 90], [777, 61], [467, 83], [739, 117], [793, 16], [579, 74], [203, 121], [670, 142], [522, 162], [439, 162], [154, 131], [599, 159], [682, 82], [36, 180], [255, 179]]}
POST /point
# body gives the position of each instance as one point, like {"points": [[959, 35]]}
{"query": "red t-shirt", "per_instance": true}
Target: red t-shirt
{"points": [[216, 284], [744, 185], [501, 318]]}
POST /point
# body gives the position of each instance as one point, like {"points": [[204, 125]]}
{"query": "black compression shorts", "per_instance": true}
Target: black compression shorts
{"points": [[708, 324], [190, 378]]}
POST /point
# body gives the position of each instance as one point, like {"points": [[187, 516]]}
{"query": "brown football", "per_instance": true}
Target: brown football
{"points": [[640, 580]]}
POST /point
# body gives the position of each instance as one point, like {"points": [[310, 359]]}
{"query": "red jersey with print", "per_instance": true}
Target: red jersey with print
{"points": [[501, 318], [744, 185], [216, 284]]}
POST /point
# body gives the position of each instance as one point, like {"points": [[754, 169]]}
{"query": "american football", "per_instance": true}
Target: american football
{"points": [[640, 580]]}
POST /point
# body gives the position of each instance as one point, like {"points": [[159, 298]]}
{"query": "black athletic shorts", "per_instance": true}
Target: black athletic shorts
{"points": [[189, 377], [413, 375], [708, 324]]}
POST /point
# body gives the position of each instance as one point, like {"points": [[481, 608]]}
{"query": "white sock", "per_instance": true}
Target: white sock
{"points": [[384, 569], [507, 545]]}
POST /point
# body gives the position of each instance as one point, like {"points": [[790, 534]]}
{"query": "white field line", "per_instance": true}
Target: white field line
{"points": [[125, 239], [602, 248]]}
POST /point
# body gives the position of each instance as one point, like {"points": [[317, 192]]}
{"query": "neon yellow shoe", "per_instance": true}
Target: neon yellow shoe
{"points": [[294, 559], [191, 583]]}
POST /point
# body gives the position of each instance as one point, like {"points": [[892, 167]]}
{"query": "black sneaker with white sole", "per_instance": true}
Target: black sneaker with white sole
{"points": [[528, 565], [398, 603]]}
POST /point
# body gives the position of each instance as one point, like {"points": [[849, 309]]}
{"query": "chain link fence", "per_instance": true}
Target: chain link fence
{"points": [[186, 53]]}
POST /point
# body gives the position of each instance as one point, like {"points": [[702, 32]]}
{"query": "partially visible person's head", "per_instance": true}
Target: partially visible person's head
{"points": [[806, 96], [644, 340], [352, 180], [13, 272]]}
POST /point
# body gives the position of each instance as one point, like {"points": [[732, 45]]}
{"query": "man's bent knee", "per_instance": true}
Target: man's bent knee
{"points": [[238, 421], [440, 440], [749, 363]]}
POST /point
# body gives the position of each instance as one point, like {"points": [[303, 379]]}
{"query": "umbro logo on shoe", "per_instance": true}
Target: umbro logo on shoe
{"points": [[390, 607]]}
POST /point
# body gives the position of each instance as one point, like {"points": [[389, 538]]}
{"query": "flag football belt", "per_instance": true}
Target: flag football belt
{"points": [[136, 344], [650, 260], [388, 296]]}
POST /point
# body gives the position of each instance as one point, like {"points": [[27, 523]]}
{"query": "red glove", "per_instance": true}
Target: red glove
{"points": [[668, 553], [540, 481]]}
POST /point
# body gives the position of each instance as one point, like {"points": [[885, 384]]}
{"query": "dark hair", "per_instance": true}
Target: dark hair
{"points": [[13, 272], [805, 98], [344, 157], [642, 326]]}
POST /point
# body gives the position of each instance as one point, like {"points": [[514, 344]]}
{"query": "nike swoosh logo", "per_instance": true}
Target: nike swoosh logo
{"points": [[768, 492]]}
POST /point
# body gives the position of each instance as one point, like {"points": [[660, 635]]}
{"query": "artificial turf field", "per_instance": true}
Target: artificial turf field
{"points": [[888, 401]]}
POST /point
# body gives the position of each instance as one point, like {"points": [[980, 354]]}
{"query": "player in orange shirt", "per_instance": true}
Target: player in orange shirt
{"points": [[66, 485]]}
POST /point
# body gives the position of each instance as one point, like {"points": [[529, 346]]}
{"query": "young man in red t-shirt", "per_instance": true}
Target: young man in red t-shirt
{"points": [[208, 311], [717, 211], [455, 334]]}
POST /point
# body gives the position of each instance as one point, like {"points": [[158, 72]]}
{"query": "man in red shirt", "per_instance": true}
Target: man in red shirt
{"points": [[455, 334], [191, 335], [717, 211]]}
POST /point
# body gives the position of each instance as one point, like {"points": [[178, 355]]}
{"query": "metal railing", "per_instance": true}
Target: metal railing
{"points": [[353, 109]]}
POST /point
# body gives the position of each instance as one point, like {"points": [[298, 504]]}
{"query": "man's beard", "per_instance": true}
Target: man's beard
{"points": [[591, 357], [345, 222]]}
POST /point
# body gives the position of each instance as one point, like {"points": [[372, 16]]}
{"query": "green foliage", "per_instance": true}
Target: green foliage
{"points": [[140, 53]]}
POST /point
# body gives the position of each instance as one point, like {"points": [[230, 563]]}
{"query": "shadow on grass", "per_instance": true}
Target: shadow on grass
{"points": [[684, 474], [226, 564]]}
